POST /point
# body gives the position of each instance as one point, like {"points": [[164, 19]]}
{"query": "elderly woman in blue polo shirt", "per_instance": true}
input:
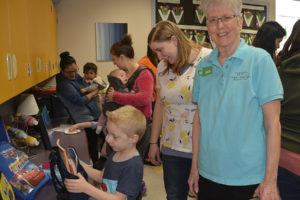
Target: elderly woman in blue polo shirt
{"points": [[236, 128]]}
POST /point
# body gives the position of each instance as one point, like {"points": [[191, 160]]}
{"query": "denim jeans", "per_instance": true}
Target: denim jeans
{"points": [[289, 184], [176, 174]]}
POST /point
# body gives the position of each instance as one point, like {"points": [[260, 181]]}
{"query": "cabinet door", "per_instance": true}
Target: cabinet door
{"points": [[19, 45], [51, 37], [53, 40], [37, 30], [6, 83]]}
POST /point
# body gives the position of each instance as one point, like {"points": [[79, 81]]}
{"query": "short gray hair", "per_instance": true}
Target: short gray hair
{"points": [[235, 5]]}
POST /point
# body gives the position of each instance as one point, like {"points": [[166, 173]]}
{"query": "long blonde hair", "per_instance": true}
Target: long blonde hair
{"points": [[163, 31]]}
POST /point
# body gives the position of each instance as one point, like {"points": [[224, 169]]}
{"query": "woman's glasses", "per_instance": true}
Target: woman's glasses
{"points": [[71, 72], [225, 19]]}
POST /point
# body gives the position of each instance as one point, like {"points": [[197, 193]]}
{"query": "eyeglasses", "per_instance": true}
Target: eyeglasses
{"points": [[71, 72], [225, 19]]}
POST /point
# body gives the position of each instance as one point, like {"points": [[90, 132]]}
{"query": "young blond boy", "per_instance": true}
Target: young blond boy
{"points": [[122, 175]]}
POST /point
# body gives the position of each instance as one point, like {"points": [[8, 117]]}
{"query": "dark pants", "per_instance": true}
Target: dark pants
{"points": [[143, 144], [289, 184], [92, 138], [176, 174], [209, 190]]}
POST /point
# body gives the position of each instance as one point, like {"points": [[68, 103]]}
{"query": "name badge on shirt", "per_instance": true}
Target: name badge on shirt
{"points": [[205, 71]]}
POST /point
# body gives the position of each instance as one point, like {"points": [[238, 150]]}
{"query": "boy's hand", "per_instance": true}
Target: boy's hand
{"points": [[83, 90], [76, 185], [73, 128]]}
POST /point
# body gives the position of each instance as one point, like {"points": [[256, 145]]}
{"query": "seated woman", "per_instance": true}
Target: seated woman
{"points": [[81, 107]]}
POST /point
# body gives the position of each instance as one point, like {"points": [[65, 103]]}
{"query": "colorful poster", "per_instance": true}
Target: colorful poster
{"points": [[196, 2], [169, 1]]}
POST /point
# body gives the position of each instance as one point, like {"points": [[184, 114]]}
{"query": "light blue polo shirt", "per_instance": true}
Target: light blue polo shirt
{"points": [[232, 147]]}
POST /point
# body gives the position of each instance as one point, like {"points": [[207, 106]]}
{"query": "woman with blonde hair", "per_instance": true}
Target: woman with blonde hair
{"points": [[174, 110]]}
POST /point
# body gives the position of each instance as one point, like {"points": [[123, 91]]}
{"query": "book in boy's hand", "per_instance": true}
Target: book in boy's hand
{"points": [[63, 155], [73, 156], [73, 159]]}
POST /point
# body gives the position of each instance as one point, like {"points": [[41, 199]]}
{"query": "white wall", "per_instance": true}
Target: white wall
{"points": [[287, 13], [77, 18], [76, 27]]}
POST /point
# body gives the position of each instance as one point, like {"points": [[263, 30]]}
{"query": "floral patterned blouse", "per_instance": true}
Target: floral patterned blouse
{"points": [[178, 110]]}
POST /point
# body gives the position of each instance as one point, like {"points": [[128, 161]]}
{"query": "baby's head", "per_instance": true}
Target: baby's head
{"points": [[120, 74], [90, 71], [125, 125]]}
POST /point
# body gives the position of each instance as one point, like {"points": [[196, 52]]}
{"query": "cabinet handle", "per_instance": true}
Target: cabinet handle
{"points": [[9, 67], [49, 66], [38, 64], [15, 66]]}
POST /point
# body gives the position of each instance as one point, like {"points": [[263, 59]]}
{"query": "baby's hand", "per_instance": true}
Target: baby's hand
{"points": [[83, 90], [76, 185], [73, 128]]}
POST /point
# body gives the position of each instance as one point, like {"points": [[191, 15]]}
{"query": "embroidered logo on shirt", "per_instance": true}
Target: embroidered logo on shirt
{"points": [[205, 71], [239, 76]]}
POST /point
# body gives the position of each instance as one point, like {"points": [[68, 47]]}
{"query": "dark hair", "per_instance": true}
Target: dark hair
{"points": [[89, 66], [66, 60], [292, 45], [124, 46], [267, 35]]}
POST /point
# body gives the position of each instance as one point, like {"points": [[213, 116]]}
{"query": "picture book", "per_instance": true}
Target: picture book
{"points": [[69, 157]]}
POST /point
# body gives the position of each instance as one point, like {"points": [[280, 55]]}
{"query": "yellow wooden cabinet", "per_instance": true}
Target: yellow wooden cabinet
{"points": [[38, 38], [19, 45], [52, 40], [28, 51], [6, 81]]}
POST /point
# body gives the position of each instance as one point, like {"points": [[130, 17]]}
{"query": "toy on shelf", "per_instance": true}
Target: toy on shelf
{"points": [[26, 120], [29, 141], [21, 137], [16, 133]]}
